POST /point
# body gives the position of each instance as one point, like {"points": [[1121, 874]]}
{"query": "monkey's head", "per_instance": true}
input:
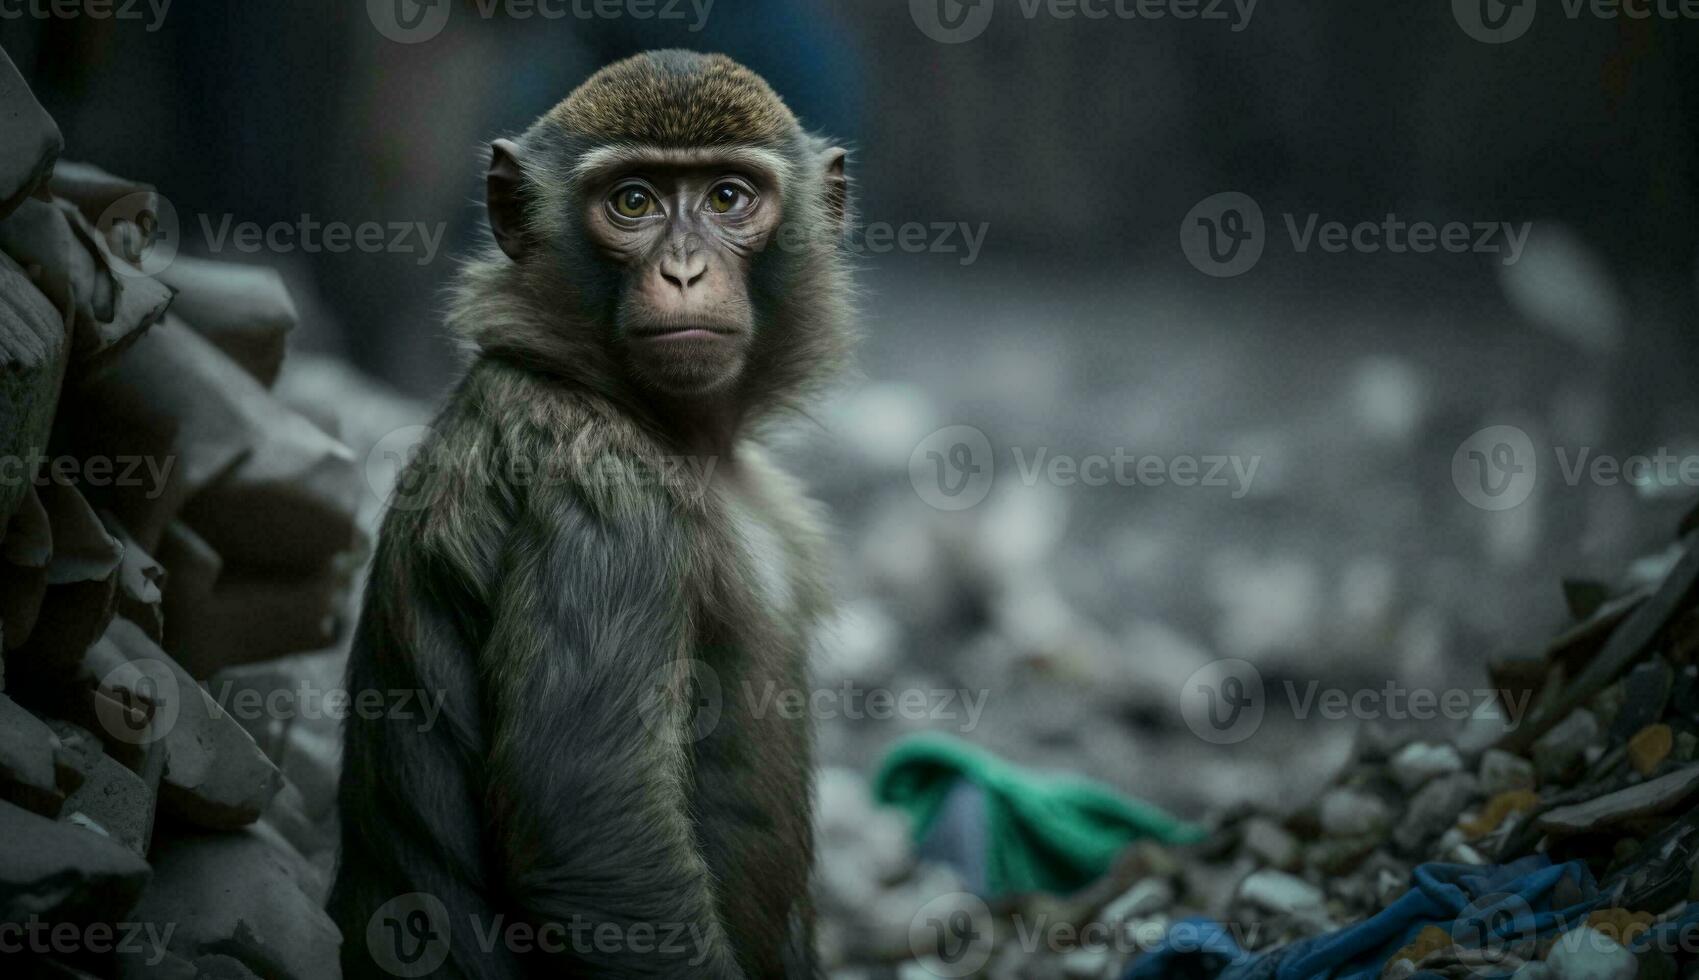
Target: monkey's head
{"points": [[669, 226]]}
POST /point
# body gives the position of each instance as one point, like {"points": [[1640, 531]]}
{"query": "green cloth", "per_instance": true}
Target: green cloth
{"points": [[1053, 832]]}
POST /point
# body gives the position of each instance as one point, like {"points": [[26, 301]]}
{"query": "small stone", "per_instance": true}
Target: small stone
{"points": [[1338, 855], [1280, 893], [1686, 743], [1398, 970], [1646, 690], [1434, 809], [1502, 772], [1088, 963], [1501, 806], [1271, 844], [1560, 753], [1148, 897], [1354, 813], [1649, 747], [1585, 954], [1417, 763]]}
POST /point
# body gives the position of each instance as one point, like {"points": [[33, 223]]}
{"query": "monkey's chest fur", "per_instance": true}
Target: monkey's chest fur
{"points": [[751, 765]]}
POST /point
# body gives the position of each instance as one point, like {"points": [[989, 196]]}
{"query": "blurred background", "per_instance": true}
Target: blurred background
{"points": [[1055, 164], [1059, 312]]}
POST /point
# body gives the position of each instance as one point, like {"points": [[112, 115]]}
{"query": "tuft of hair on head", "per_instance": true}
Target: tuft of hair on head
{"points": [[677, 98]]}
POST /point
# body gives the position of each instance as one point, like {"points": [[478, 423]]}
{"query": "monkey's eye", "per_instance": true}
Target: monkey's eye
{"points": [[728, 197], [633, 201]]}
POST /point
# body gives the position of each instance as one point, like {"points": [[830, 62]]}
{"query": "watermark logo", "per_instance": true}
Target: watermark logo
{"points": [[91, 9], [408, 935], [1495, 468], [1223, 234], [389, 468], [955, 21], [953, 468], [141, 704], [1496, 926], [1493, 21], [951, 935], [1223, 701], [144, 230], [408, 21], [951, 21], [691, 683]]}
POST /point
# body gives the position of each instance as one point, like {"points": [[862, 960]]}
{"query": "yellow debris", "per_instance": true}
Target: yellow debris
{"points": [[1497, 809], [1649, 747], [1620, 924]]}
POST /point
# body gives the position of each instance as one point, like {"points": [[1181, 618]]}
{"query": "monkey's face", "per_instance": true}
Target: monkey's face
{"points": [[684, 235]]}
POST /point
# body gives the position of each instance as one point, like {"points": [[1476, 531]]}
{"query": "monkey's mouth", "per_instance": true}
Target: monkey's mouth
{"points": [[698, 332]]}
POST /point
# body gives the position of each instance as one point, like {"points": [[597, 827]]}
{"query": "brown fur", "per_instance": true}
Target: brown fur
{"points": [[676, 98]]}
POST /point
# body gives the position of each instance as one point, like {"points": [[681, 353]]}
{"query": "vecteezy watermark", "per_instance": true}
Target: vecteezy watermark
{"points": [[956, 21], [312, 236], [685, 701], [412, 935], [1497, 467], [960, 238], [148, 940], [309, 701], [1224, 235], [1499, 21], [416, 21], [151, 472], [416, 469], [1224, 702], [145, 230], [153, 11], [954, 468]]}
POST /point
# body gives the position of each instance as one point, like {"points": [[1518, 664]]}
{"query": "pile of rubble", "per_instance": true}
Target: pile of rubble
{"points": [[1581, 779], [169, 522]]}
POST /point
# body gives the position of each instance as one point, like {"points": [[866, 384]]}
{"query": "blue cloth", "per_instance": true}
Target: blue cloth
{"points": [[1479, 906]]}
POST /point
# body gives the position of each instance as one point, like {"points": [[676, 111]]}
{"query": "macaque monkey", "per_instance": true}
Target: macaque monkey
{"points": [[594, 559]]}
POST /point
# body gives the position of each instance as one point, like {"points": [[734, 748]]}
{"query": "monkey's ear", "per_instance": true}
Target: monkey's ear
{"points": [[504, 189], [837, 185]]}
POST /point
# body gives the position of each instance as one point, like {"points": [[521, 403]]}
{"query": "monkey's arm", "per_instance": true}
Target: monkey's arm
{"points": [[587, 780]]}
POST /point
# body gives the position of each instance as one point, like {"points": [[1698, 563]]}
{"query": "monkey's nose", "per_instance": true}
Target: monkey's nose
{"points": [[683, 271]]}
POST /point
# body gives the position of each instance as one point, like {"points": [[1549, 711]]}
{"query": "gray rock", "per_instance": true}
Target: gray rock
{"points": [[62, 872], [238, 895], [1502, 771], [1435, 808], [1419, 762], [1354, 813], [1586, 954], [1651, 797], [28, 776], [1148, 897], [215, 776], [1561, 752], [1645, 692], [1270, 843], [119, 801], [1280, 893]]}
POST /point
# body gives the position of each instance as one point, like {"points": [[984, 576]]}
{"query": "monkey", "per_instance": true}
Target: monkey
{"points": [[595, 559]]}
